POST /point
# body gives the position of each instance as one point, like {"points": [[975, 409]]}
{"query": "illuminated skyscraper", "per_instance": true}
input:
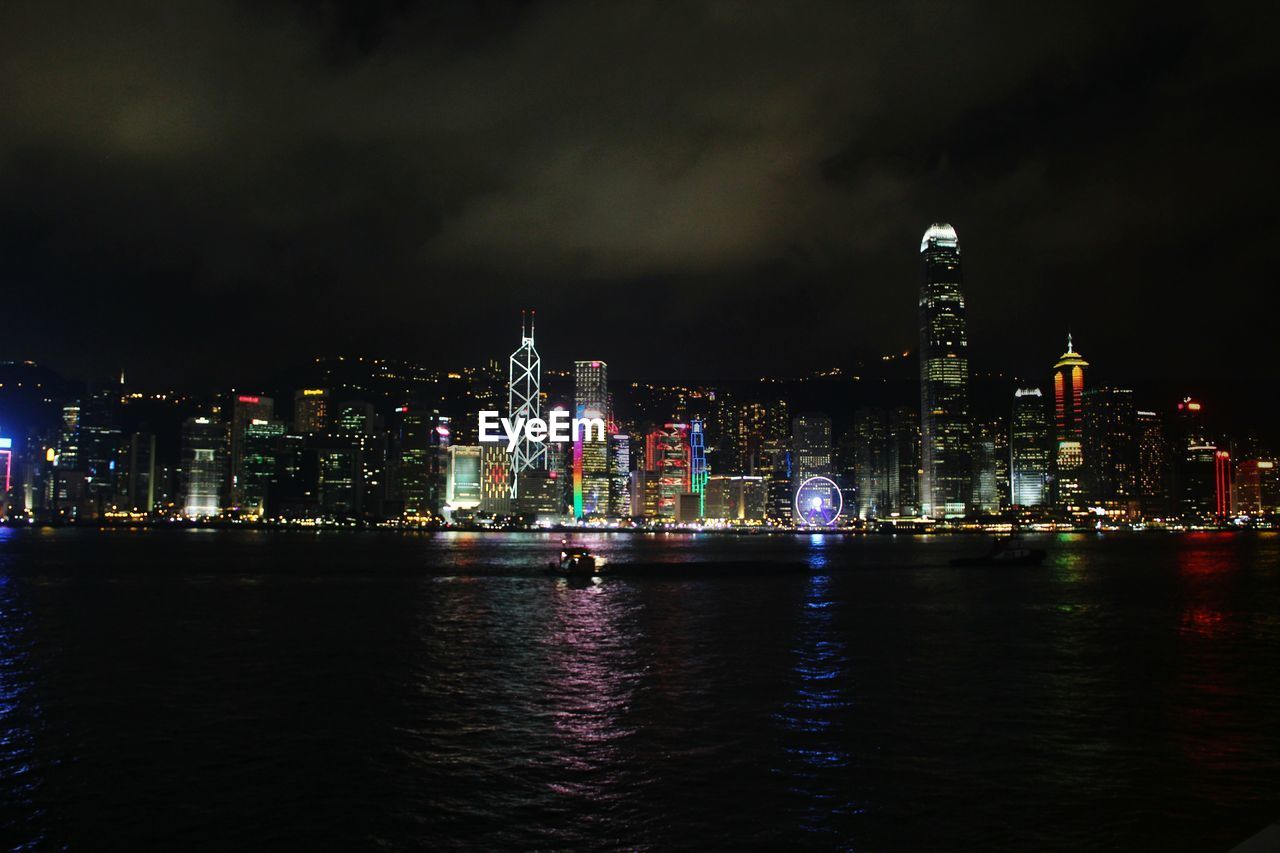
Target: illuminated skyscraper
{"points": [[258, 464], [524, 400], [904, 429], [945, 430], [1068, 428], [1153, 465], [591, 451], [245, 408], [874, 463], [620, 475], [1028, 449], [988, 454], [204, 454], [421, 454]]}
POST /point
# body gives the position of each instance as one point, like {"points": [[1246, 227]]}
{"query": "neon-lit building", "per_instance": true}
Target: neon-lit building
{"points": [[698, 470], [875, 468], [495, 479], [1222, 484], [1028, 449], [945, 429], [1068, 429], [667, 461], [591, 451]]}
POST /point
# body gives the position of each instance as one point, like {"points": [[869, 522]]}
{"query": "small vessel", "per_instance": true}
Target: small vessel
{"points": [[574, 560], [1005, 552]]}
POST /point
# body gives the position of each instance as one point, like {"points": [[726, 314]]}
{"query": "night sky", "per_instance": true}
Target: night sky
{"points": [[204, 191]]}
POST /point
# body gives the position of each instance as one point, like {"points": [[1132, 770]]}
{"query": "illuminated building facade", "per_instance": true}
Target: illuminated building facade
{"points": [[875, 464], [495, 479], [421, 451], [464, 488], [1194, 482], [904, 432], [945, 430], [810, 446], [988, 457], [101, 450], [204, 456], [310, 410], [591, 451], [541, 496], [1068, 429], [698, 471], [6, 470], [258, 464], [1198, 481], [646, 497], [1153, 464], [1110, 450], [620, 475], [1028, 449], [735, 498], [140, 473], [1257, 488]]}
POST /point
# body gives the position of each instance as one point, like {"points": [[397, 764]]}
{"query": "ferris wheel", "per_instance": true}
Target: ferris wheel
{"points": [[818, 502]]}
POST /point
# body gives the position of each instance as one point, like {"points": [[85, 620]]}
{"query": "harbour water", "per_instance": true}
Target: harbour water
{"points": [[185, 689]]}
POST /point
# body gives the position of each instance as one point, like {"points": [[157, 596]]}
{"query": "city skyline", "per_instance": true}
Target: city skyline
{"points": [[390, 179]]}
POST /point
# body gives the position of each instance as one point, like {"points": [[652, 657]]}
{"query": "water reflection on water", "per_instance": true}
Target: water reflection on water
{"points": [[813, 733]]}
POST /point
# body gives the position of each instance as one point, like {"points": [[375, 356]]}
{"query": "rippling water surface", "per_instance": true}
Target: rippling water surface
{"points": [[251, 690]]}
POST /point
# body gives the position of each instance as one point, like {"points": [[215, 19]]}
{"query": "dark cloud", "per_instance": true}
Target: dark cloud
{"points": [[684, 188]]}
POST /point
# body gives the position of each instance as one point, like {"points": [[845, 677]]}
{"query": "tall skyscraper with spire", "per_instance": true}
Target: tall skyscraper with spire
{"points": [[524, 400], [1068, 428], [945, 429]]}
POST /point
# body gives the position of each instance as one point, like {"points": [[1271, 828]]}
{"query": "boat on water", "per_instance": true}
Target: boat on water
{"points": [[576, 561], [1005, 552]]}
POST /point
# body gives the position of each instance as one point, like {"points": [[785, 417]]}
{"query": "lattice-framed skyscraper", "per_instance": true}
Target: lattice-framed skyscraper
{"points": [[524, 400]]}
